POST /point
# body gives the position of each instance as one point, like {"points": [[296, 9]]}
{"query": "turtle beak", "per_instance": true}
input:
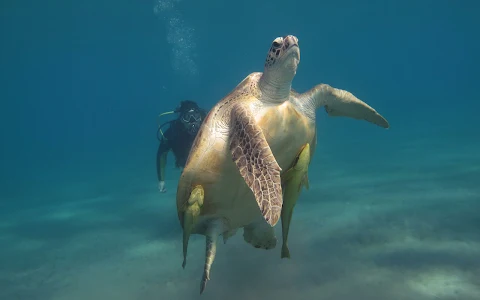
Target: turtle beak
{"points": [[290, 41], [291, 46]]}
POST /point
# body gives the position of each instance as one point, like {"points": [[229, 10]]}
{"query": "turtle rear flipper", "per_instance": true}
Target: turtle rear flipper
{"points": [[256, 163], [214, 229]]}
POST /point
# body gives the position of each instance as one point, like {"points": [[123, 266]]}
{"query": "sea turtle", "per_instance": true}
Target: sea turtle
{"points": [[232, 178]]}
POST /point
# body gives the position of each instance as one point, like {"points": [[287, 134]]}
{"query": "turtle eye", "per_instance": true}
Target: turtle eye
{"points": [[276, 44]]}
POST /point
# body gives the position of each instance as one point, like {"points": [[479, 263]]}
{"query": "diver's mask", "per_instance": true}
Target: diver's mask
{"points": [[192, 120]]}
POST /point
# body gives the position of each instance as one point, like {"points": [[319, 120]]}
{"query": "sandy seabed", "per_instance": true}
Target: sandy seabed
{"points": [[405, 228]]}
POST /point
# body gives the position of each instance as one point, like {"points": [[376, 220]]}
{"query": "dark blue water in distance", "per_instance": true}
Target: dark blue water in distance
{"points": [[390, 214]]}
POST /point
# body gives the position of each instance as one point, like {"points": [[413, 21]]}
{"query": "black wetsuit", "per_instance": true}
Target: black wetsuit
{"points": [[179, 141]]}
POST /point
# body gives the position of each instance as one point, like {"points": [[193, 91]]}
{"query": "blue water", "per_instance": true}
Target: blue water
{"points": [[390, 214]]}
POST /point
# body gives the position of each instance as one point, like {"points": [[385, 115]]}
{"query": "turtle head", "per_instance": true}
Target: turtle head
{"points": [[283, 56], [280, 67]]}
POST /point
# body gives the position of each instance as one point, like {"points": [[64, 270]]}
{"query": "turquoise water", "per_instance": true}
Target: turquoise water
{"points": [[390, 214]]}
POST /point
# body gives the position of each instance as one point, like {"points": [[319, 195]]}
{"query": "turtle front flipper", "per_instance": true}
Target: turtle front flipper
{"points": [[256, 163], [190, 217], [342, 103], [292, 181]]}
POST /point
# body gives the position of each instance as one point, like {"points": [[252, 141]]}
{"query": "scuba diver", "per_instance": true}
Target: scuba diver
{"points": [[178, 137]]}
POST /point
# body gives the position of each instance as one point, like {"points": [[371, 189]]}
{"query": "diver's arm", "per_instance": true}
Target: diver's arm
{"points": [[162, 153]]}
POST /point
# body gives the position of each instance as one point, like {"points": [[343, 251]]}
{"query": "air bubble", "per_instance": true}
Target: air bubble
{"points": [[180, 37]]}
